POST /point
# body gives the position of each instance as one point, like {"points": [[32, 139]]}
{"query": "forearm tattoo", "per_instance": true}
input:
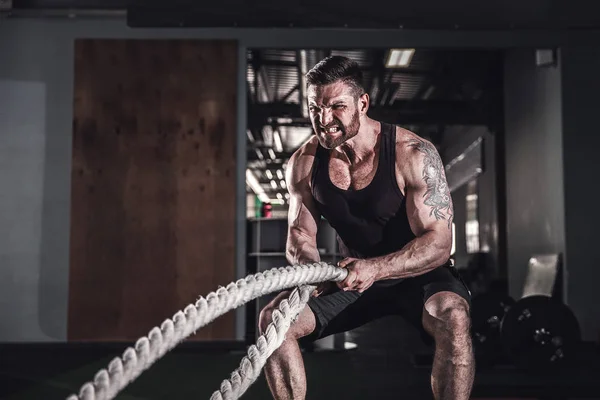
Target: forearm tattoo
{"points": [[437, 195]]}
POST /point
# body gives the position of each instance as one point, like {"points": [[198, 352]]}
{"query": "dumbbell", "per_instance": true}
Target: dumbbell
{"points": [[540, 332], [487, 311]]}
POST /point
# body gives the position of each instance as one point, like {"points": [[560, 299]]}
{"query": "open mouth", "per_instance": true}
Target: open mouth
{"points": [[331, 129]]}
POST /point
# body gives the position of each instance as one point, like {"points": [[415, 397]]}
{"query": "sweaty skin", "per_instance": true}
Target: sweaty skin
{"points": [[341, 124]]}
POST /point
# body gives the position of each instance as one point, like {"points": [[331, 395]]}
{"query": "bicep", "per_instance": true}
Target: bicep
{"points": [[428, 200]]}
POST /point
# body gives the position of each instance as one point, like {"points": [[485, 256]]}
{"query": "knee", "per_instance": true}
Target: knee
{"points": [[449, 319], [455, 320], [452, 334]]}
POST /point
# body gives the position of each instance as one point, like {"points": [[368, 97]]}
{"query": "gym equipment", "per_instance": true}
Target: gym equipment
{"points": [[540, 332], [487, 311]]}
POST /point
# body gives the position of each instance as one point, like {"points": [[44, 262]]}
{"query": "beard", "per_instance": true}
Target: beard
{"points": [[344, 133]]}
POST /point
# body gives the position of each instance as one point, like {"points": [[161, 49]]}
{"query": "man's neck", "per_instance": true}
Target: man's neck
{"points": [[363, 144]]}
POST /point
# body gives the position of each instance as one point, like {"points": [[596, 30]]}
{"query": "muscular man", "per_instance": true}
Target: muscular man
{"points": [[383, 189]]}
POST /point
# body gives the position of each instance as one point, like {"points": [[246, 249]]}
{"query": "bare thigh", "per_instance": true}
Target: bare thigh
{"points": [[446, 311]]}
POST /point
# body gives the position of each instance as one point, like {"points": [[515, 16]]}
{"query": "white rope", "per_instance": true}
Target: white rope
{"points": [[109, 382], [252, 365]]}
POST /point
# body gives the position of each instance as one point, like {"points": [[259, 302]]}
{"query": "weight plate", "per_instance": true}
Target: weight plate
{"points": [[539, 332], [487, 311]]}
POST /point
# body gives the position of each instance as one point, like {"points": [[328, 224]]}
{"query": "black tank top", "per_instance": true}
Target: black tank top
{"points": [[371, 221]]}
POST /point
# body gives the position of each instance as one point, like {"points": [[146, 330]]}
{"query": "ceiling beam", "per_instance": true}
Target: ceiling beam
{"points": [[261, 76], [289, 93], [401, 112], [434, 14], [368, 68]]}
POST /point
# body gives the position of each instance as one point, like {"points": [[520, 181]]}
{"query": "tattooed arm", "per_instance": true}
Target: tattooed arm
{"points": [[430, 211]]}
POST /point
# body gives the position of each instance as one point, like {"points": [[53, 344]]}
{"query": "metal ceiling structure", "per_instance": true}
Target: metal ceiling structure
{"points": [[437, 90]]}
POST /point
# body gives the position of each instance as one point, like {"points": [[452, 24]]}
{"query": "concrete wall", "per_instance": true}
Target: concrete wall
{"points": [[534, 165], [36, 76], [581, 144], [22, 159]]}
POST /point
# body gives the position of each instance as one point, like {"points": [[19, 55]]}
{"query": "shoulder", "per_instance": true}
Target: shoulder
{"points": [[410, 146], [299, 166], [415, 155], [304, 157]]}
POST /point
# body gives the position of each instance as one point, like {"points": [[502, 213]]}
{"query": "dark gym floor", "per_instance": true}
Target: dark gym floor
{"points": [[381, 367]]}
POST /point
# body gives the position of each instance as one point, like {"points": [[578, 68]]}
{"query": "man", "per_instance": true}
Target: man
{"points": [[383, 189]]}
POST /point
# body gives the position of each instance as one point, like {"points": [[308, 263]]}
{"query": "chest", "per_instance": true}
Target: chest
{"points": [[353, 176]]}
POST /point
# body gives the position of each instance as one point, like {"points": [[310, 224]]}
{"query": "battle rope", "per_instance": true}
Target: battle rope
{"points": [[267, 343], [109, 382]]}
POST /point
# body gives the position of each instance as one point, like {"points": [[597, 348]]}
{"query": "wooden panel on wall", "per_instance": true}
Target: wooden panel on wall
{"points": [[153, 184]]}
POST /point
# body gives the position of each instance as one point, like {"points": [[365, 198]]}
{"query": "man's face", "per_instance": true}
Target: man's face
{"points": [[334, 113]]}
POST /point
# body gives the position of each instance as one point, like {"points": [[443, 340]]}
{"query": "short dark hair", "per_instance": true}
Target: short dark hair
{"points": [[337, 68]]}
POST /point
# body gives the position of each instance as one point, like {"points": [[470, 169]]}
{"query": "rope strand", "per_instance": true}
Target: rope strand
{"points": [[252, 365]]}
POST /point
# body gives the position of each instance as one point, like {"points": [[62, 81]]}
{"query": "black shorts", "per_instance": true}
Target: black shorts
{"points": [[342, 311]]}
